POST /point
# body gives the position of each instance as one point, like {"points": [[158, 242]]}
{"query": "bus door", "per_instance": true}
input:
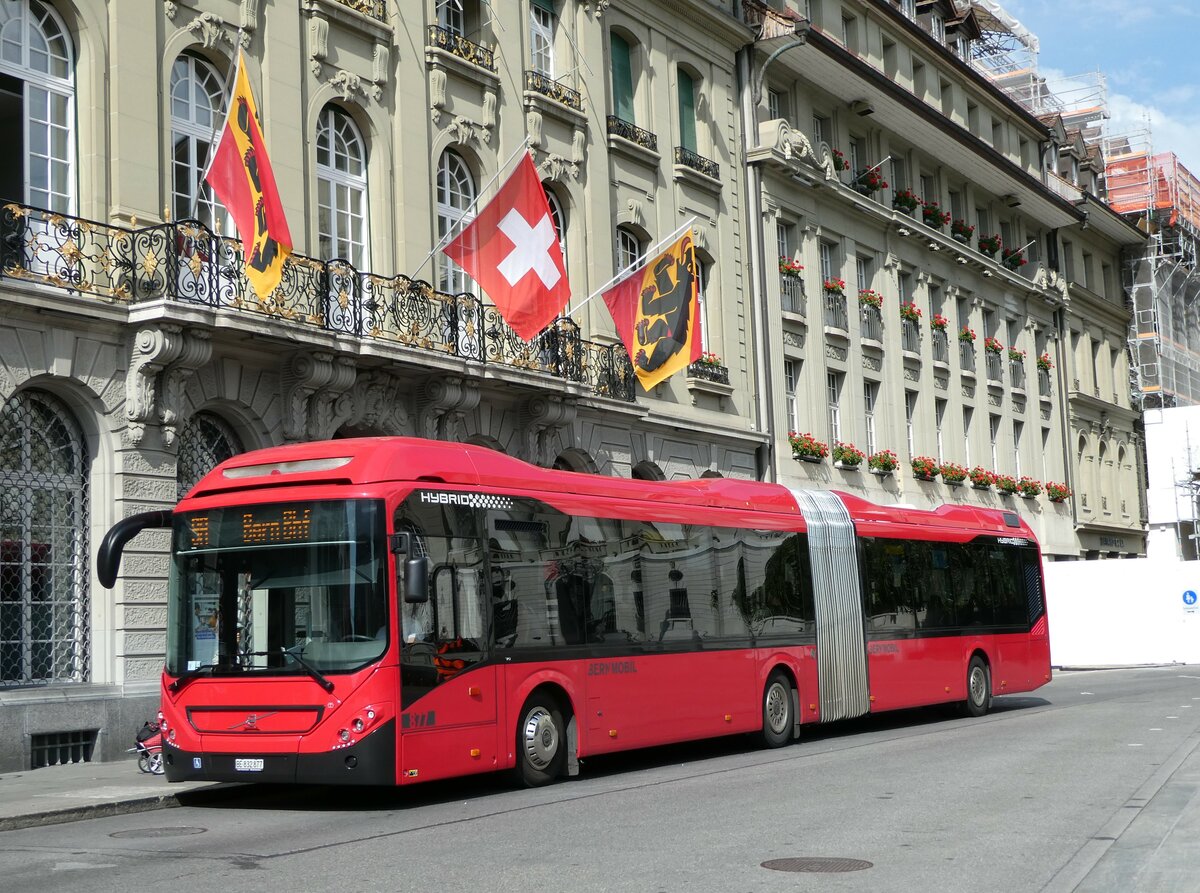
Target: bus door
{"points": [[447, 688]]}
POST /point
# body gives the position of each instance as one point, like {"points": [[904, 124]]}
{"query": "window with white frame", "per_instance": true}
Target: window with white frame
{"points": [[542, 20], [452, 16], [341, 188], [862, 269], [37, 86], [784, 240], [909, 8], [870, 394], [826, 258], [791, 381], [777, 105], [910, 421], [968, 415], [455, 198], [821, 130], [630, 248], [197, 108], [833, 390], [994, 438], [1018, 429], [939, 417], [937, 26]]}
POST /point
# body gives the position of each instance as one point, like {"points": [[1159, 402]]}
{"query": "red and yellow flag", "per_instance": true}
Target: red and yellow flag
{"points": [[657, 312], [240, 174]]}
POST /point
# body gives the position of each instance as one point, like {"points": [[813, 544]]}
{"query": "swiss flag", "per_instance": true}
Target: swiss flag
{"points": [[512, 251]]}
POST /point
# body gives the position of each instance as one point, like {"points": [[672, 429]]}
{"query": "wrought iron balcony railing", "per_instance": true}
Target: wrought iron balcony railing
{"points": [[995, 367], [706, 166], [1016, 372], [835, 312], [1043, 382], [185, 262], [941, 346], [966, 356], [547, 86], [709, 372], [457, 45], [633, 133], [872, 322], [376, 9], [791, 294], [910, 336]]}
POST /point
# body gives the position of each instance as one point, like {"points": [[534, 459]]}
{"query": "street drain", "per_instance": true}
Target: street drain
{"points": [[178, 831], [817, 864]]}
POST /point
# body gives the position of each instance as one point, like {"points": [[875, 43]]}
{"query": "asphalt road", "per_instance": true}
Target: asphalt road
{"points": [[1090, 783]]}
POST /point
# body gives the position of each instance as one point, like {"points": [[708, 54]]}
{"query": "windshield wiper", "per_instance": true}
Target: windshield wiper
{"points": [[184, 678], [312, 671]]}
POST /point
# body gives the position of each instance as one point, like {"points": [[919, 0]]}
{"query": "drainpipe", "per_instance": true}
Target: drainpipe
{"points": [[1060, 324], [759, 337]]}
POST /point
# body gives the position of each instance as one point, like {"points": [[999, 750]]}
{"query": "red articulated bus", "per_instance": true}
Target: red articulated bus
{"points": [[395, 610]]}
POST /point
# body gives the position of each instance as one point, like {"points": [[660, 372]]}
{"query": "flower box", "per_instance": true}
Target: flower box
{"points": [[847, 456], [1006, 484], [834, 286], [1057, 492], [790, 268], [989, 245], [869, 298], [1044, 363], [933, 215], [966, 333], [910, 311], [925, 468], [981, 478], [883, 462], [905, 200], [807, 448]]}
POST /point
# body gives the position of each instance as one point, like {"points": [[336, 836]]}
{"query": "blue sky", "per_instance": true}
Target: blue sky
{"points": [[1148, 51]]}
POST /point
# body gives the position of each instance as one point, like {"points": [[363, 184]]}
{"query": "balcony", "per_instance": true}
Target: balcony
{"points": [[966, 357], [689, 159], [1016, 372], [791, 295], [941, 347], [709, 372], [871, 321], [835, 312], [542, 84], [184, 262], [457, 45], [627, 131], [995, 367], [1043, 382], [376, 9], [910, 336]]}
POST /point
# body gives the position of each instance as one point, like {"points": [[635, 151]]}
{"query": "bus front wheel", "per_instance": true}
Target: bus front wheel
{"points": [[541, 741], [979, 687], [777, 711]]}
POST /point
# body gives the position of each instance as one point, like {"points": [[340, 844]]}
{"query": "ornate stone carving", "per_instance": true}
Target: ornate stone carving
{"points": [[578, 141], [377, 401], [600, 7], [533, 127], [542, 419], [968, 390], [489, 111], [209, 29], [555, 166], [249, 20], [911, 374], [462, 130], [700, 237], [381, 64], [346, 84], [872, 363], [636, 216], [170, 8], [437, 93], [315, 401], [441, 404], [994, 400], [318, 39], [163, 359], [833, 352], [941, 382]]}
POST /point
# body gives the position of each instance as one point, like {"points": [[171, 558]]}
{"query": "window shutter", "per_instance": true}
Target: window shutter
{"points": [[687, 111], [547, 5], [622, 79]]}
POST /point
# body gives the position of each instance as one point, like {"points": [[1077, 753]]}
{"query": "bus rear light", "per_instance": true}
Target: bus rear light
{"points": [[171, 735], [871, 699], [370, 715], [728, 717], [357, 725], [612, 733], [812, 707], [344, 734], [947, 689], [475, 753], [474, 691]]}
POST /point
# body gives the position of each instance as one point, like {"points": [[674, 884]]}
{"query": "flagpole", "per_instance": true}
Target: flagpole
{"points": [[453, 230], [629, 269]]}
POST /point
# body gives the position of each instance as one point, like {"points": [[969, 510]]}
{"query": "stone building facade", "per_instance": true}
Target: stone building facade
{"points": [[133, 356]]}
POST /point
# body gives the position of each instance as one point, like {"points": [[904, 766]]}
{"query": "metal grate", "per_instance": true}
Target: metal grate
{"points": [[817, 864], [205, 442], [60, 748], [44, 610]]}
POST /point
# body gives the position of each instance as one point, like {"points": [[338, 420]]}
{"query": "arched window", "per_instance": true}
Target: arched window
{"points": [[45, 622], [204, 443], [455, 196], [630, 248], [197, 110], [341, 188], [37, 74], [559, 218]]}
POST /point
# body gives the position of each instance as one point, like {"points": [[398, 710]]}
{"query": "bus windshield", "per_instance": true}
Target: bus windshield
{"points": [[296, 587]]}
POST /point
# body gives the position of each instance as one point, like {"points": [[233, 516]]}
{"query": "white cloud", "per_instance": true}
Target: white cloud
{"points": [[1170, 131]]}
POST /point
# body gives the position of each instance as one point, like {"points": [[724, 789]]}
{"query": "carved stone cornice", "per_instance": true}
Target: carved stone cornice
{"points": [[314, 389], [441, 404]]}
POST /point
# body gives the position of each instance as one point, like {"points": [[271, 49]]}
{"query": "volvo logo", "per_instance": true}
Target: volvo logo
{"points": [[250, 723]]}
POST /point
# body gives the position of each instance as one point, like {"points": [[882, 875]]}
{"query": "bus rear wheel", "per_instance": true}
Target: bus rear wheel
{"points": [[541, 741], [979, 687], [777, 711]]}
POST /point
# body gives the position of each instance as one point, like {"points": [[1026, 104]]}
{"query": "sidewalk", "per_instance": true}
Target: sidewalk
{"points": [[77, 791]]}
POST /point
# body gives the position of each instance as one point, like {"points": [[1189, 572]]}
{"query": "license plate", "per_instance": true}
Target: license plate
{"points": [[245, 764]]}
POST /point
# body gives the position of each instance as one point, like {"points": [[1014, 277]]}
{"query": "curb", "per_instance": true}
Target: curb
{"points": [[121, 807]]}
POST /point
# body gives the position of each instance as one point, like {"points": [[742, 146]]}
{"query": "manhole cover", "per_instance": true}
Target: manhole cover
{"points": [[817, 864], [158, 832]]}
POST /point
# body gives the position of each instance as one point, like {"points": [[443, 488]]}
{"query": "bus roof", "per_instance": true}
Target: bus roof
{"points": [[373, 460]]}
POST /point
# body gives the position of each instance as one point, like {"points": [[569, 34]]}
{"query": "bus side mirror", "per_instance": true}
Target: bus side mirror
{"points": [[108, 560], [416, 581]]}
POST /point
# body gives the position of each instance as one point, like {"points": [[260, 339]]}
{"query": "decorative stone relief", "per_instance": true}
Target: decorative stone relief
{"points": [[437, 94], [968, 390], [318, 39], [941, 382], [1018, 405], [170, 8], [543, 419], [911, 374], [599, 7], [533, 127], [210, 30], [578, 142], [314, 390], [346, 84], [636, 216], [441, 404], [381, 63], [1046, 413], [462, 130], [793, 339], [377, 401], [872, 363], [249, 21], [555, 166], [163, 358], [833, 352], [994, 400], [489, 111], [700, 237]]}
